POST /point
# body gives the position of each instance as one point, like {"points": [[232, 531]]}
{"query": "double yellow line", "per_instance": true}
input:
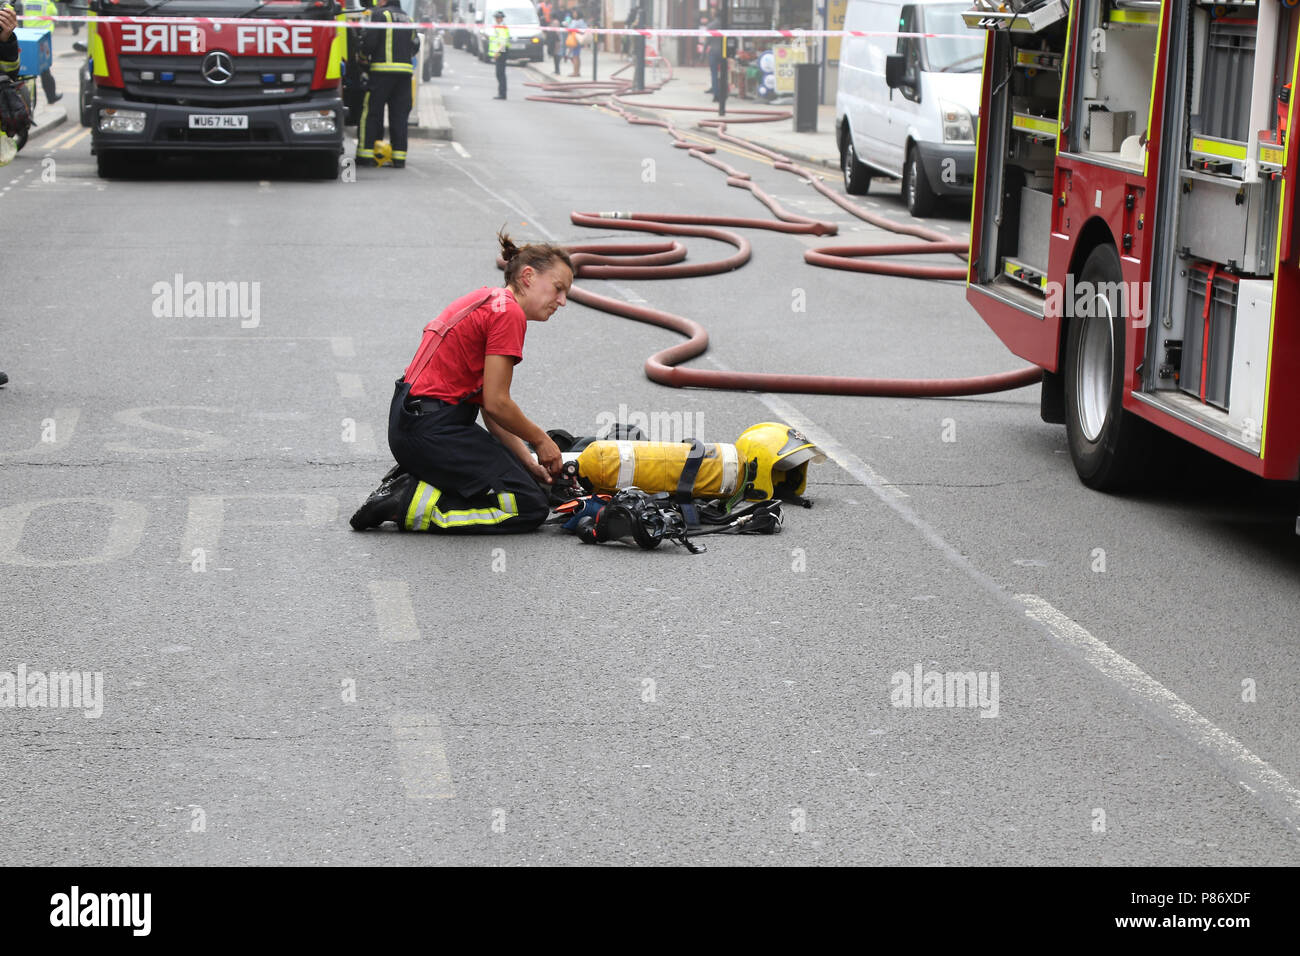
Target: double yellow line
{"points": [[69, 139]]}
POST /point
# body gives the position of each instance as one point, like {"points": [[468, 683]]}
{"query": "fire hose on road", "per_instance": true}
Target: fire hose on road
{"points": [[666, 260]]}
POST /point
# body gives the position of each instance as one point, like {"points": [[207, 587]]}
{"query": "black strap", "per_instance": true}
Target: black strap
{"points": [[686, 483]]}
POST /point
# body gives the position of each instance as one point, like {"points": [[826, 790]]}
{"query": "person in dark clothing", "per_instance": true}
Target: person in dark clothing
{"points": [[389, 55], [715, 59]]}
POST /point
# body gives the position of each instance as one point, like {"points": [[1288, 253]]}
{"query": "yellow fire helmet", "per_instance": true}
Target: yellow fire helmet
{"points": [[783, 454], [383, 152]]}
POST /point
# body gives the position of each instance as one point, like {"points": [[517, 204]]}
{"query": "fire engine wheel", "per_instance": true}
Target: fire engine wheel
{"points": [[916, 188], [1105, 441], [322, 166], [110, 164], [857, 176]]}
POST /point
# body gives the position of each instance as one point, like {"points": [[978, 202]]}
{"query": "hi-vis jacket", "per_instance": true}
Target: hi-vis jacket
{"points": [[390, 51], [499, 41], [39, 8], [9, 57]]}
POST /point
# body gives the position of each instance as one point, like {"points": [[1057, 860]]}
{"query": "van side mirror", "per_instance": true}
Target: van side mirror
{"points": [[895, 70]]}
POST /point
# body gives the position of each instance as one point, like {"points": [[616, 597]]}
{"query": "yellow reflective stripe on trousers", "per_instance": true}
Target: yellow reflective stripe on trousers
{"points": [[424, 512]]}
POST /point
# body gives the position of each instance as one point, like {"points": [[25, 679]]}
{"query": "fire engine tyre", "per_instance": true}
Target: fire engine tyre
{"points": [[322, 166], [87, 108], [111, 164], [916, 188], [1106, 442], [857, 176]]}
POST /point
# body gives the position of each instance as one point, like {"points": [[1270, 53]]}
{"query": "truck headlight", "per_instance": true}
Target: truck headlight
{"points": [[313, 121], [957, 125], [120, 121]]}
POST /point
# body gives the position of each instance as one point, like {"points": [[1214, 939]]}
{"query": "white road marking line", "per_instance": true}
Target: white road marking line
{"points": [[422, 757], [464, 154], [342, 346], [394, 614], [1254, 773], [855, 466], [350, 385]]}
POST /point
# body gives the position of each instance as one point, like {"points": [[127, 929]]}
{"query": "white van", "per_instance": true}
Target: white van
{"points": [[906, 107], [525, 29]]}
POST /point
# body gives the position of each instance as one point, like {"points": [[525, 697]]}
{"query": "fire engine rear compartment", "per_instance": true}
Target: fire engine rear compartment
{"points": [[1211, 239]]}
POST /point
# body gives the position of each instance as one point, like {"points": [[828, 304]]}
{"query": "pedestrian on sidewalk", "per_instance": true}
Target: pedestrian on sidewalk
{"points": [[578, 34], [39, 13], [555, 41], [451, 474], [499, 49]]}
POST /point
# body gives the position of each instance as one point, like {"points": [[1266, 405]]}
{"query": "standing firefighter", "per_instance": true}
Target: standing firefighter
{"points": [[390, 54], [451, 474], [498, 48]]}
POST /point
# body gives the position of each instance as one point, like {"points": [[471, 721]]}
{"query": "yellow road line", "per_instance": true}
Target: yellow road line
{"points": [[62, 138], [76, 139]]}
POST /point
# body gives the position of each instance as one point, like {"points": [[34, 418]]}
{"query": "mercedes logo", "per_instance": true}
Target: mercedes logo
{"points": [[218, 67]]}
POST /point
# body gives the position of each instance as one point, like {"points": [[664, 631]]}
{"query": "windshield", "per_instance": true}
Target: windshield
{"points": [[964, 54], [517, 16]]}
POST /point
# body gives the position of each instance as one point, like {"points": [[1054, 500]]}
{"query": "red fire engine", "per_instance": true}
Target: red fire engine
{"points": [[199, 86], [1133, 226]]}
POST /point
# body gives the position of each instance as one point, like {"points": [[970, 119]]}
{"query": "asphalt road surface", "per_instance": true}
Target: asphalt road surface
{"points": [[174, 496]]}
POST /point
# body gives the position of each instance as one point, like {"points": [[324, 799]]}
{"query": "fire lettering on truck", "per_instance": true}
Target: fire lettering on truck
{"points": [[162, 38], [273, 41]]}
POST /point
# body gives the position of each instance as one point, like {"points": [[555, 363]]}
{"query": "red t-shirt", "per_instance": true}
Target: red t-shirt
{"points": [[455, 373]]}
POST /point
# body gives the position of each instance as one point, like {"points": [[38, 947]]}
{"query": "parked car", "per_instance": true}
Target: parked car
{"points": [[907, 107]]}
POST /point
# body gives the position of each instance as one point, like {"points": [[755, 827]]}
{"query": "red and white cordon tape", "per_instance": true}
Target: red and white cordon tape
{"points": [[611, 31]]}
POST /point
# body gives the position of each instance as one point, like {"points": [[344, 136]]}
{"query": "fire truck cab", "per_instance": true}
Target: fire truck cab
{"points": [[1133, 228], [192, 85]]}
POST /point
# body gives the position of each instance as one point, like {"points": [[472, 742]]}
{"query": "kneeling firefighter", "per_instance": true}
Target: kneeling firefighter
{"points": [[451, 474]]}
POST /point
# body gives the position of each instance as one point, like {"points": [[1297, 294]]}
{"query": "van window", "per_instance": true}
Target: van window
{"points": [[910, 49], [961, 50]]}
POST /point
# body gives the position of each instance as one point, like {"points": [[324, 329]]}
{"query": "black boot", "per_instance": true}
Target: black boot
{"points": [[385, 502]]}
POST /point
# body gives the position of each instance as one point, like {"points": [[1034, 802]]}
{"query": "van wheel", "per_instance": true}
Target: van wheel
{"points": [[1108, 445], [916, 188], [857, 177]]}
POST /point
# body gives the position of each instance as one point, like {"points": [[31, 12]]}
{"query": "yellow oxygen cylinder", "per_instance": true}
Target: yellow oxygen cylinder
{"points": [[656, 466]]}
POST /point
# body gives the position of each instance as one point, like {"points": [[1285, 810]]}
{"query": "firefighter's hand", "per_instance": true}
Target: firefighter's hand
{"points": [[548, 459], [8, 21]]}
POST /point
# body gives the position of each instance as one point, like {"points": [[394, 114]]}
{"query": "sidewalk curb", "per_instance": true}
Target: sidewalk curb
{"points": [[51, 119], [650, 112], [431, 119]]}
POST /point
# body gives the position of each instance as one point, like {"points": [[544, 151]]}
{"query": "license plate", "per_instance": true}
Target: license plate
{"points": [[217, 121]]}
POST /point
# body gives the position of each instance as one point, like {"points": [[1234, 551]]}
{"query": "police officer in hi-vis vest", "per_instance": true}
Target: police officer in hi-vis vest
{"points": [[390, 54], [498, 47]]}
